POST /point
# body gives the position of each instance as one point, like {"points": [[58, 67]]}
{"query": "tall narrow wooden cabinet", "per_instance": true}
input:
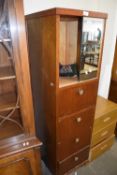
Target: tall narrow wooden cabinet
{"points": [[65, 50], [19, 147]]}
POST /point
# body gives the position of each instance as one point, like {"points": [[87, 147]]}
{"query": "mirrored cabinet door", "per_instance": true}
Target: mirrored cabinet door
{"points": [[91, 45], [80, 45], [10, 115]]}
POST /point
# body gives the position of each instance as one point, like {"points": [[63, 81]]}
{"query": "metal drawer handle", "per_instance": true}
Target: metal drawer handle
{"points": [[80, 91], [102, 148], [79, 119], [107, 119], [77, 140], [104, 133], [76, 159]]}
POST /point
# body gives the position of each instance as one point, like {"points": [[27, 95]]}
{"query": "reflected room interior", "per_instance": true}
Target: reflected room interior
{"points": [[80, 48]]}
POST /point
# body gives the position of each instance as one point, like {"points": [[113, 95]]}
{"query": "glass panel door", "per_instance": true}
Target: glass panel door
{"points": [[92, 34], [10, 116]]}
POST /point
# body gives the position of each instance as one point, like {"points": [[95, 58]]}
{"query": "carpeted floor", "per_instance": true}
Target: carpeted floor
{"points": [[104, 165]]}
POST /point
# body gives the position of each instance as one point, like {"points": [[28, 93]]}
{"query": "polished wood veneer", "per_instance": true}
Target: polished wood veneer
{"points": [[64, 108], [78, 128], [73, 161], [71, 101]]}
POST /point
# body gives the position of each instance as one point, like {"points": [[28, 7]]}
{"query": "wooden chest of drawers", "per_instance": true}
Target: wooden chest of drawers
{"points": [[74, 132], [101, 147], [64, 104], [104, 126]]}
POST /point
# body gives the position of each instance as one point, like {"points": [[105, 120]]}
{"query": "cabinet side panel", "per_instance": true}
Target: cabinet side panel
{"points": [[42, 51], [25, 163]]}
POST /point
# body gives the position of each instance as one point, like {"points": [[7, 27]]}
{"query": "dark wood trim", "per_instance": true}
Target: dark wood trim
{"points": [[68, 12], [16, 146]]}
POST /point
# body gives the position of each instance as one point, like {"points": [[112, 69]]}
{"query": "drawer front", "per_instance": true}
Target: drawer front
{"points": [[77, 98], [101, 148], [74, 133], [104, 133], [105, 120], [84, 96], [73, 161]]}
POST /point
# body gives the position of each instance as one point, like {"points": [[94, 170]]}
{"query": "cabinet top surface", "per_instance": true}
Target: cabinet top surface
{"points": [[68, 12], [104, 106]]}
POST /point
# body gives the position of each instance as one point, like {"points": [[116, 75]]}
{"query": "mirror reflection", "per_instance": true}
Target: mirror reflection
{"points": [[79, 49], [92, 34]]}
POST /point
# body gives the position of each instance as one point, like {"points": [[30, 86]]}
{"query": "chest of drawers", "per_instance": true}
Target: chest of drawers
{"points": [[104, 127], [74, 132]]}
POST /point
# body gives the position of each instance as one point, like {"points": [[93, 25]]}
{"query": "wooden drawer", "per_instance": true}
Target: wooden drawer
{"points": [[101, 148], [76, 98], [105, 120], [102, 134], [73, 161], [74, 132]]}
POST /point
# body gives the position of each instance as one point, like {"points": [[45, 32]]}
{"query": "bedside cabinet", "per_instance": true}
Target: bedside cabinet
{"points": [[104, 126]]}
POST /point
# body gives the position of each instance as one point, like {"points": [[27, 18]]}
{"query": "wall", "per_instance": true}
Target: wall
{"points": [[109, 7]]}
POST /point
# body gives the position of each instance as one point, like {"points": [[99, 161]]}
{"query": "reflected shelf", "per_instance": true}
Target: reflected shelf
{"points": [[88, 69]]}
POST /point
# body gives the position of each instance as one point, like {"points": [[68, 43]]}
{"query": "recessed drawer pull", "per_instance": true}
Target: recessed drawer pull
{"points": [[102, 148], [79, 119], [107, 119], [80, 91], [76, 159], [104, 133], [77, 140]]}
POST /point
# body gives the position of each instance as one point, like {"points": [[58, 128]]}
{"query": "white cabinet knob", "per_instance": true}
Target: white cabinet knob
{"points": [[80, 91], [79, 119], [76, 159], [77, 140], [51, 84]]}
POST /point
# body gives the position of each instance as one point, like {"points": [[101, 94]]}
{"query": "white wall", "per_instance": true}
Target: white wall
{"points": [[109, 7]]}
